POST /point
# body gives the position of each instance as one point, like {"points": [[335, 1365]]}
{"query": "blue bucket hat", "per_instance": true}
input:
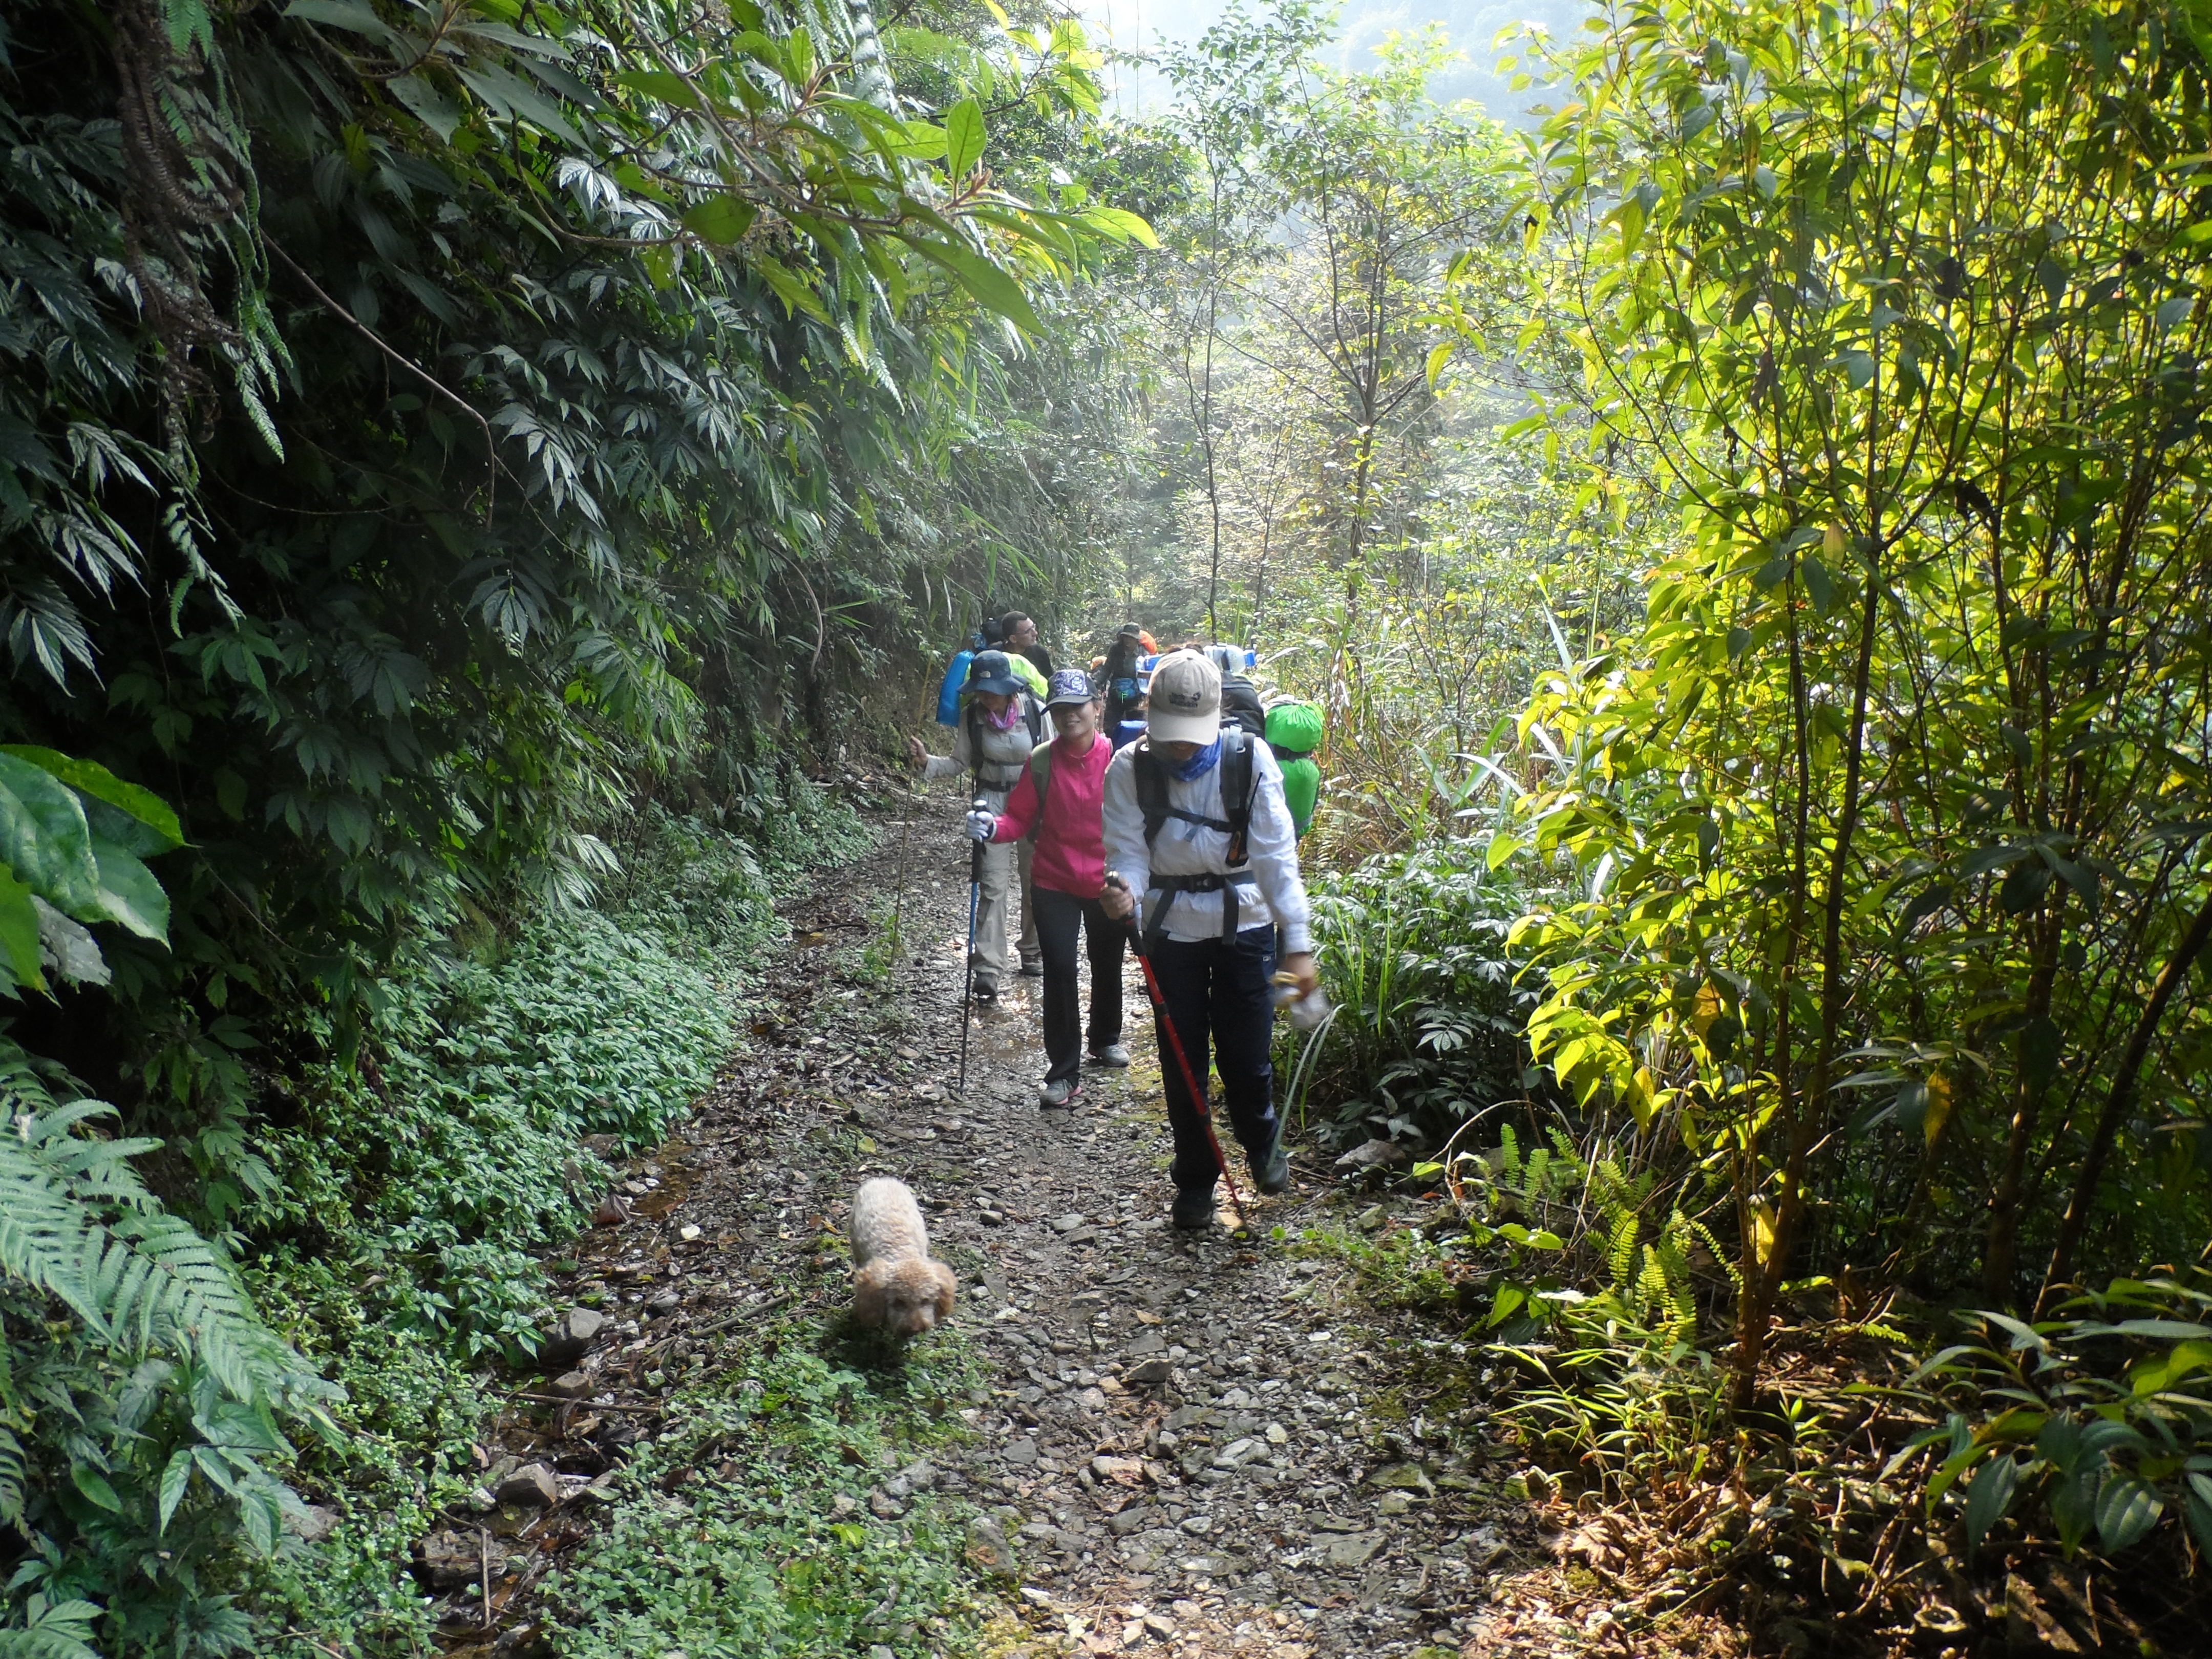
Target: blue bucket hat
{"points": [[991, 671]]}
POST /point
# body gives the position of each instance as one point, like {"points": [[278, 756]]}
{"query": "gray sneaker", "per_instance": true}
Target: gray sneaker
{"points": [[1060, 1092], [1032, 967], [1112, 1054]]}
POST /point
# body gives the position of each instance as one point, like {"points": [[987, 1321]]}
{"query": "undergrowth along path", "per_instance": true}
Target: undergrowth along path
{"points": [[1128, 1439]]}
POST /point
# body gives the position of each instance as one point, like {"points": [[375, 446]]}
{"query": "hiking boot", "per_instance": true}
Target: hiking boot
{"points": [[1194, 1208], [1112, 1054], [1059, 1091], [1271, 1170], [1032, 967], [985, 994]]}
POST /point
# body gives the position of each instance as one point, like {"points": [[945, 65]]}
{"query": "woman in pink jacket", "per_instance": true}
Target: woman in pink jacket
{"points": [[1064, 801]]}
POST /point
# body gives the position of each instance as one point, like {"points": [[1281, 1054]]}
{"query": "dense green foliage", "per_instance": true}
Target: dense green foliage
{"points": [[462, 460], [776, 1553]]}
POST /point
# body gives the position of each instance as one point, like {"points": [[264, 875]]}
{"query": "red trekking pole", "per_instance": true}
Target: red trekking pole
{"points": [[1182, 1060]]}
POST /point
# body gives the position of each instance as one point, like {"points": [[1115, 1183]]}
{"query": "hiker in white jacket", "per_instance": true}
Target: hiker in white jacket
{"points": [[1203, 843]]}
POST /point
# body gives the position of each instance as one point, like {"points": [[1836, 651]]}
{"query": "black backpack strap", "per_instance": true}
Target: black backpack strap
{"points": [[1151, 790], [1239, 775]]}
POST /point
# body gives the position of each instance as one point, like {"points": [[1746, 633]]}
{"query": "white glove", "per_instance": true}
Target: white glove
{"points": [[982, 825]]}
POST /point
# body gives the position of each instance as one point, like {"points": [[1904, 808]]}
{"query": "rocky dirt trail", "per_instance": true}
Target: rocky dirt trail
{"points": [[1185, 1445]]}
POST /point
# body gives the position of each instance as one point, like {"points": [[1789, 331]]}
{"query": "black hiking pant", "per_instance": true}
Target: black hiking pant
{"points": [[1058, 916], [1219, 994]]}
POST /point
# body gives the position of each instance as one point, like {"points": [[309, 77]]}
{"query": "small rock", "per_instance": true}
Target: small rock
{"points": [[1148, 1373], [1145, 1342], [1372, 1218], [585, 1324], [1022, 1453], [571, 1340], [1405, 1477], [665, 1304], [1372, 1155], [915, 1476], [1126, 1471], [988, 1551], [1484, 1547], [1159, 1625], [1394, 1503], [532, 1484], [1136, 1518], [1354, 1549], [884, 1506], [612, 1213], [688, 1232], [1196, 1525], [314, 1521], [1067, 1224], [570, 1385], [879, 1651], [1278, 1434], [445, 1561]]}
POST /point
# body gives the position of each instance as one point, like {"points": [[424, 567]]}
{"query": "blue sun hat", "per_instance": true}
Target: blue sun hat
{"points": [[992, 672]]}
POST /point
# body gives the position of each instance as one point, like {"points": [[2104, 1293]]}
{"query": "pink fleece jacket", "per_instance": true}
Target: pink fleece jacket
{"points": [[1071, 847]]}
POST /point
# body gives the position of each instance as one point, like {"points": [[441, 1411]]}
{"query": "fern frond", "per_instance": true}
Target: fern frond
{"points": [[1620, 1252], [58, 1630], [12, 1478], [49, 1237]]}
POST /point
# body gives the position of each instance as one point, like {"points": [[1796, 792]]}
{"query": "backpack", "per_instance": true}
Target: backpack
{"points": [[948, 691], [1240, 703], [1240, 787]]}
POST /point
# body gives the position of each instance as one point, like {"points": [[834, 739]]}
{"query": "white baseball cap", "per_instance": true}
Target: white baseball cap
{"points": [[1185, 700]]}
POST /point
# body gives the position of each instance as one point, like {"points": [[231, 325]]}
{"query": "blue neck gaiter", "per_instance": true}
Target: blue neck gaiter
{"points": [[1200, 764]]}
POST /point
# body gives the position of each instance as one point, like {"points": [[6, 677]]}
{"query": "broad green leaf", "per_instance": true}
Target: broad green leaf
{"points": [[669, 87], [991, 287], [721, 219], [130, 893], [1988, 1497], [44, 837], [95, 1485], [92, 779], [963, 139], [1122, 225], [18, 933], [2127, 1509], [176, 1476], [428, 104]]}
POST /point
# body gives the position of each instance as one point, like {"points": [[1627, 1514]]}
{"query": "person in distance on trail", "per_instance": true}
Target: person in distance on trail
{"points": [[1061, 805], [999, 726], [1196, 826], [1022, 638]]}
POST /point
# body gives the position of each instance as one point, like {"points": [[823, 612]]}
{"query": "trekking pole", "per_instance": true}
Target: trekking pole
{"points": [[968, 978], [1182, 1060]]}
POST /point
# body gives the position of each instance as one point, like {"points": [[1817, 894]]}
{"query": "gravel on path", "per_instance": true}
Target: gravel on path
{"points": [[1186, 1445]]}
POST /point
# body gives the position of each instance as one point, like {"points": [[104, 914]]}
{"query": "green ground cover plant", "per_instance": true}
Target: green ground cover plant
{"points": [[748, 1532]]}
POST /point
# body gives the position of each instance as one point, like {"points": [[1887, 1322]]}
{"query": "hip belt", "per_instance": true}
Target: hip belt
{"points": [[1225, 884]]}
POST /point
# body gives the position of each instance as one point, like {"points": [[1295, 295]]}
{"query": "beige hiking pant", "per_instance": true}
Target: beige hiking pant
{"points": [[1006, 869]]}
